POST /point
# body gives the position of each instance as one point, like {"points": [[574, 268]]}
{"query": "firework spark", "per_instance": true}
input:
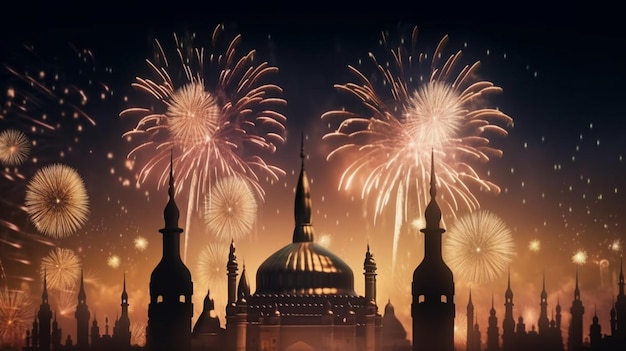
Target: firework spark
{"points": [[62, 269], [534, 245], [141, 243], [389, 143], [616, 245], [230, 209], [14, 147], [114, 261], [16, 312], [56, 200], [211, 273], [138, 333], [479, 247], [216, 117], [580, 257]]}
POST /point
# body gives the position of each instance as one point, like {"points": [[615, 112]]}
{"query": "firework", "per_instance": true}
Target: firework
{"points": [[215, 116], [141, 243], [211, 273], [138, 333], [62, 269], [534, 245], [14, 147], [65, 301], [16, 313], [580, 257], [56, 200], [479, 247], [388, 144], [114, 261], [230, 209], [616, 245]]}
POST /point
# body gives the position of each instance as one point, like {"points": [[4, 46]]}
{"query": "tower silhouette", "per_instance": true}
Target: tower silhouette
{"points": [[82, 318], [171, 308], [543, 323], [508, 324], [493, 334], [470, 323], [432, 308], [122, 334], [45, 316], [620, 305], [575, 334]]}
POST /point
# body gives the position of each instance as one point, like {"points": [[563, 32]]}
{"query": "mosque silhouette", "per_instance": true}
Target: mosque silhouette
{"points": [[305, 300]]}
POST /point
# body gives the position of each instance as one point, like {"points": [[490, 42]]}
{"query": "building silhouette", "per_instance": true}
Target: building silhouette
{"points": [[432, 307]]}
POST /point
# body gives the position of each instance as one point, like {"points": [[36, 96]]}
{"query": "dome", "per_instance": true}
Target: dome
{"points": [[305, 268]]}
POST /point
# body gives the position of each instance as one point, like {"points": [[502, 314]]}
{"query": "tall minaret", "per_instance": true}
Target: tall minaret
{"points": [[543, 323], [231, 306], [171, 308], [45, 317], [432, 308], [82, 318], [369, 267], [620, 305], [470, 323], [575, 334], [508, 324], [123, 331], [243, 293], [595, 332], [493, 334]]}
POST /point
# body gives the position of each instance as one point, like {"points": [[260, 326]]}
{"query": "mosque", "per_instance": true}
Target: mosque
{"points": [[305, 300]]}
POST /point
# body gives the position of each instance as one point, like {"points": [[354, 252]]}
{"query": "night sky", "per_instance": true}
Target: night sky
{"points": [[561, 174]]}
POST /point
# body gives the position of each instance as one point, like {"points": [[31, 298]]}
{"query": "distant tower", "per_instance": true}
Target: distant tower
{"points": [[231, 306], [613, 320], [620, 305], [508, 324], [575, 334], [369, 267], [82, 318], [123, 331], [45, 316], [171, 308], [558, 314], [469, 343], [595, 333], [56, 334], [95, 334], [493, 334], [243, 293], [476, 341], [432, 308], [543, 323]]}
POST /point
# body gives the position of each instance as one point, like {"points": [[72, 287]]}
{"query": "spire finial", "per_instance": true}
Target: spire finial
{"points": [[302, 154], [433, 189], [303, 231]]}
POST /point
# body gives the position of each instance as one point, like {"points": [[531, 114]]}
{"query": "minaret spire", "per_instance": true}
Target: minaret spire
{"points": [[433, 212], [576, 290], [44, 295], [303, 231]]}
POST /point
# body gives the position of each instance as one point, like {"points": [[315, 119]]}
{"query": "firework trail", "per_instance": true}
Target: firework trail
{"points": [[14, 147], [56, 200], [211, 274], [16, 313], [389, 143], [478, 247], [214, 115], [65, 301], [62, 269], [138, 333], [230, 209]]}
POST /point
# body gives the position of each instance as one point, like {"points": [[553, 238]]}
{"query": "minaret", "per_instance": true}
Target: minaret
{"points": [[432, 308], [243, 293], [231, 307], [493, 334], [613, 319], [56, 334], [575, 334], [95, 334], [543, 323], [595, 332], [171, 308], [508, 324], [470, 323], [620, 305], [123, 332], [45, 317], [369, 267], [82, 318]]}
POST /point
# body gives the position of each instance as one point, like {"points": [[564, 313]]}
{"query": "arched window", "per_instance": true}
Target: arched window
{"points": [[181, 298], [421, 299], [444, 299], [159, 298]]}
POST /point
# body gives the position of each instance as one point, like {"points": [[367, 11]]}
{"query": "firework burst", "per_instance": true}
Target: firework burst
{"points": [[479, 247], [56, 200], [534, 245], [230, 209], [211, 273], [16, 312], [579, 257], [141, 243], [62, 269], [389, 143], [14, 147], [217, 117], [114, 261]]}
